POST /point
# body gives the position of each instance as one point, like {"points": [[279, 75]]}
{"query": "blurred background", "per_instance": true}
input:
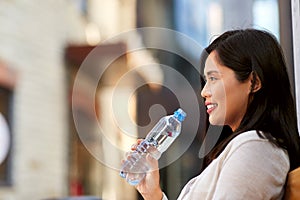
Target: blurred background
{"points": [[42, 46]]}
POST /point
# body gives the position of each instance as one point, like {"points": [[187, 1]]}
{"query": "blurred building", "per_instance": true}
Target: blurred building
{"points": [[43, 47], [33, 37]]}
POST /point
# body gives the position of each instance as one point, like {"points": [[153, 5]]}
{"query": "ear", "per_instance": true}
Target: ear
{"points": [[255, 82]]}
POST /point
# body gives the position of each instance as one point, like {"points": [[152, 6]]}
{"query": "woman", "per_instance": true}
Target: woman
{"points": [[247, 88]]}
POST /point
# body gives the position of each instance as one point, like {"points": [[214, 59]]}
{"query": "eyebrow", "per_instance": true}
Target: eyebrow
{"points": [[211, 72]]}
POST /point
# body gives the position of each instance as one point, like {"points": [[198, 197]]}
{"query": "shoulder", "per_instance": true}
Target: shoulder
{"points": [[250, 167], [250, 138], [245, 137], [249, 146]]}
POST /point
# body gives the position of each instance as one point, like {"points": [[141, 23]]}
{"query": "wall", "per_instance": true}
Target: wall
{"points": [[33, 35]]}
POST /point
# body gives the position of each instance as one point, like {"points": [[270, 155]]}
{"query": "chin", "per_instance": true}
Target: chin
{"points": [[216, 122]]}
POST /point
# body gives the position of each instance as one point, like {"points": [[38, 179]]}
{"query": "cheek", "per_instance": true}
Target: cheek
{"points": [[236, 92], [220, 95], [236, 103]]}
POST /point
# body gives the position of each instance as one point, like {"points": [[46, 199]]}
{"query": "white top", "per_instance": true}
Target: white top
{"points": [[249, 168]]}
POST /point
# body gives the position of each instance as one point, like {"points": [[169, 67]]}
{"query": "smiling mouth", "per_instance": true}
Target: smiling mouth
{"points": [[211, 107]]}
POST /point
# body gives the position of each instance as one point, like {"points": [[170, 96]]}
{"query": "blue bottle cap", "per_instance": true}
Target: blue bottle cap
{"points": [[180, 114]]}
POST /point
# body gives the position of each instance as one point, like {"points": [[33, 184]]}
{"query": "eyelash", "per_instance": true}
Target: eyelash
{"points": [[211, 79]]}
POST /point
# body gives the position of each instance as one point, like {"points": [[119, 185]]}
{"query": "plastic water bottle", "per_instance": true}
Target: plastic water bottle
{"points": [[156, 142]]}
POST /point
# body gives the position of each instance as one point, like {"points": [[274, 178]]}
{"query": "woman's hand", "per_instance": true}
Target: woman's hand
{"points": [[149, 187]]}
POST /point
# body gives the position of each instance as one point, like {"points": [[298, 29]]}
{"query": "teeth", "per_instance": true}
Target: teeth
{"points": [[210, 106]]}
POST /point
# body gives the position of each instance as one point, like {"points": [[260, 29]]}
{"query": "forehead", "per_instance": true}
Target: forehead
{"points": [[212, 64]]}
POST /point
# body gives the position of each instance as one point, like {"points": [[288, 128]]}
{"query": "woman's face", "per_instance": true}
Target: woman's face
{"points": [[226, 98]]}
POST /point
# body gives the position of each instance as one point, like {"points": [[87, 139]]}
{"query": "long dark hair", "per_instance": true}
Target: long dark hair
{"points": [[272, 109]]}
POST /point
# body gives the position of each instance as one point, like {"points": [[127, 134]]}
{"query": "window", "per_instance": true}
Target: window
{"points": [[203, 19], [7, 83], [5, 127]]}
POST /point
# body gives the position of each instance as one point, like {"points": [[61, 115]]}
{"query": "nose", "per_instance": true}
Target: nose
{"points": [[205, 92]]}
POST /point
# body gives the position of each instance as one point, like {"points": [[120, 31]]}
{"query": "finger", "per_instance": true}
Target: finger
{"points": [[134, 146], [122, 162], [153, 163], [139, 141], [127, 153]]}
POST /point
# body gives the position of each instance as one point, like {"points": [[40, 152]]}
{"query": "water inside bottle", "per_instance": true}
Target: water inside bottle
{"points": [[157, 141]]}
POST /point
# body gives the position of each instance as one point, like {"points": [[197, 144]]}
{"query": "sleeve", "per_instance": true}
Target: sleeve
{"points": [[254, 170]]}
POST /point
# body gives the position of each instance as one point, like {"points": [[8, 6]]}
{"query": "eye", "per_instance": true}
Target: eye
{"points": [[212, 78]]}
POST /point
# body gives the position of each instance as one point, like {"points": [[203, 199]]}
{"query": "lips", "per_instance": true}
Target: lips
{"points": [[210, 107]]}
